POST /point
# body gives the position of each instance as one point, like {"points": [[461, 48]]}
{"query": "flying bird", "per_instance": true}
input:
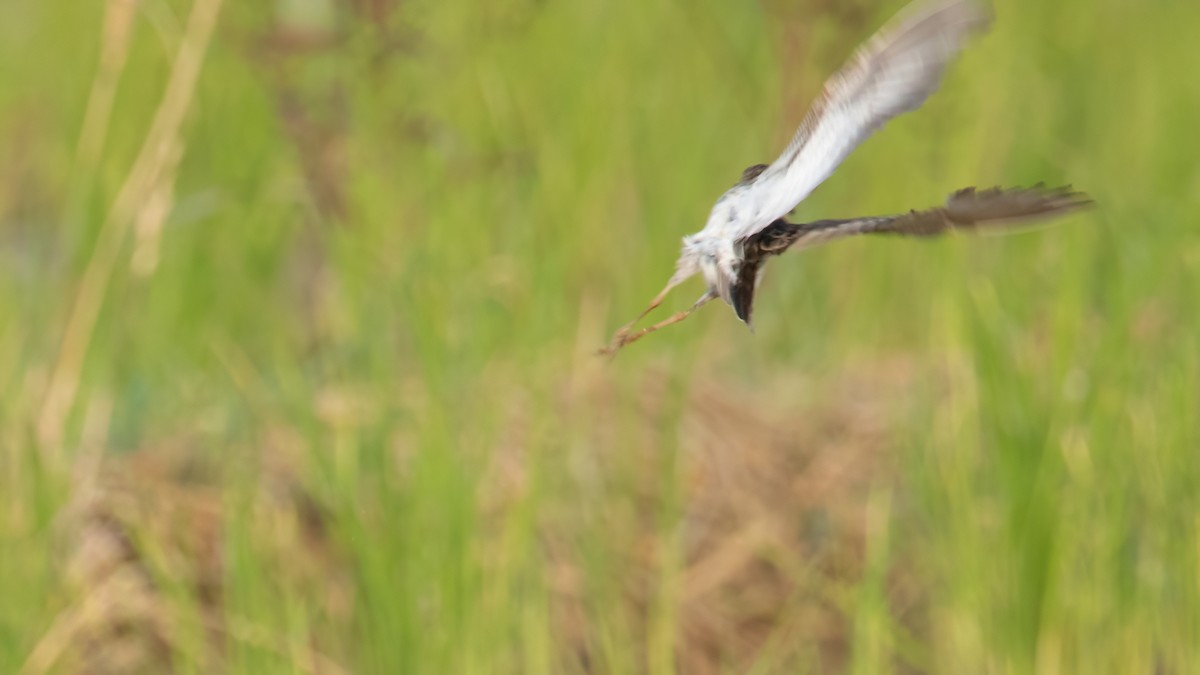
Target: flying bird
{"points": [[893, 73]]}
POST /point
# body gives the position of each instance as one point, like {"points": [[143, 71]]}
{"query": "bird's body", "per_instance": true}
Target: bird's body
{"points": [[895, 72]]}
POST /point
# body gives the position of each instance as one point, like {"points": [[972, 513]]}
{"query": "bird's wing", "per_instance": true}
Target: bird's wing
{"points": [[966, 210], [893, 73]]}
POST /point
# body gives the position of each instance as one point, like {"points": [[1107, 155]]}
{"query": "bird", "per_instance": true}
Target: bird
{"points": [[895, 72]]}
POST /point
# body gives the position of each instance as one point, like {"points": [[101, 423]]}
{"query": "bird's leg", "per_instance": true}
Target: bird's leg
{"points": [[623, 337], [619, 337], [658, 300]]}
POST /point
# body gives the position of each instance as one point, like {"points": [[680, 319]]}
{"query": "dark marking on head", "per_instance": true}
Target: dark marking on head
{"points": [[771, 240], [741, 295]]}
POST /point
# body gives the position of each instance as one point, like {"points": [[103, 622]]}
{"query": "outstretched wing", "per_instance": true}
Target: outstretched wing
{"points": [[967, 209], [892, 74]]}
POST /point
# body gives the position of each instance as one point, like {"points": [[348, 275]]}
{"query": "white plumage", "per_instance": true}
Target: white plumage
{"points": [[895, 72]]}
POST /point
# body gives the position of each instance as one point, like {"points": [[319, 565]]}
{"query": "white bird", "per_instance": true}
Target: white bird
{"points": [[895, 72]]}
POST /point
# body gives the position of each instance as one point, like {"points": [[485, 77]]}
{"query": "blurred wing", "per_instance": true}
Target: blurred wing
{"points": [[968, 209], [892, 74]]}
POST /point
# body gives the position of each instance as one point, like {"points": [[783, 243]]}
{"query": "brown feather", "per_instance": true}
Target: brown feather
{"points": [[967, 209]]}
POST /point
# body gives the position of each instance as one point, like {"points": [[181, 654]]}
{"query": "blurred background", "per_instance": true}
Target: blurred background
{"points": [[299, 301]]}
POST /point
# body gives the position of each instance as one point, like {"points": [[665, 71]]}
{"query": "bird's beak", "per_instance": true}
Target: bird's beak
{"points": [[741, 292], [742, 300]]}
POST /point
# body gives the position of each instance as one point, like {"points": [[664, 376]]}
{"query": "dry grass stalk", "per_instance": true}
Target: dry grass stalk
{"points": [[161, 150]]}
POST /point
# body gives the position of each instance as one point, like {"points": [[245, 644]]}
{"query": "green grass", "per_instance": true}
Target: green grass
{"points": [[359, 341]]}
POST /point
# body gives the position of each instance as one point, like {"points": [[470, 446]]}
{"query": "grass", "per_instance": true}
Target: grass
{"points": [[297, 369]]}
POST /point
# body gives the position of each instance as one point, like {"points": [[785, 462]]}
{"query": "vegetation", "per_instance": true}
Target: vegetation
{"points": [[299, 301]]}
